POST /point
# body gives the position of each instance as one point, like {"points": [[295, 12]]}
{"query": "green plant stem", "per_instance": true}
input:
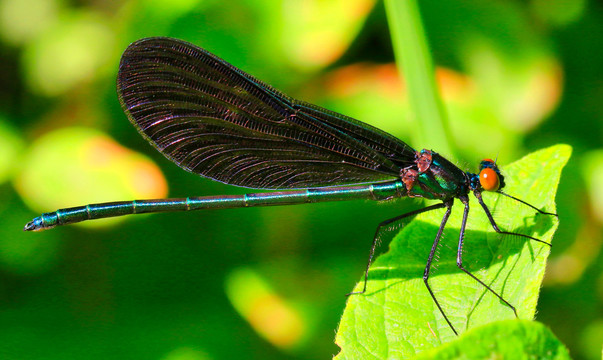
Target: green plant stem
{"points": [[414, 62]]}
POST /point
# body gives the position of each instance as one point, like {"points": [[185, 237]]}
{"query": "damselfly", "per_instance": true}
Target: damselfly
{"points": [[215, 120]]}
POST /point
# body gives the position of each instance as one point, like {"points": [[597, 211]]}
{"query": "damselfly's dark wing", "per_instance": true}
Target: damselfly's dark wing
{"points": [[214, 120]]}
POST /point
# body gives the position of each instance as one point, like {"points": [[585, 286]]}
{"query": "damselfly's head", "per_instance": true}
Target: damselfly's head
{"points": [[490, 177]]}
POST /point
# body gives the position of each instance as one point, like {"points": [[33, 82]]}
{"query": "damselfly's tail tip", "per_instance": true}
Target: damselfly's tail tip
{"points": [[34, 225], [29, 226]]}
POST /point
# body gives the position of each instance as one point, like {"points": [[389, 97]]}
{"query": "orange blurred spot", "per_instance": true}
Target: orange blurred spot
{"points": [[149, 181], [75, 166], [546, 86], [275, 320], [269, 314], [385, 79], [356, 78], [454, 85], [358, 9], [390, 81], [101, 151]]}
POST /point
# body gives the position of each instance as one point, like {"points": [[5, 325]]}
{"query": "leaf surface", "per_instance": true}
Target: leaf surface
{"points": [[396, 317]]}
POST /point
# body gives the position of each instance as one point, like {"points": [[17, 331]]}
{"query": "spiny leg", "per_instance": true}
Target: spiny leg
{"points": [[459, 255], [434, 247], [376, 238], [478, 195]]}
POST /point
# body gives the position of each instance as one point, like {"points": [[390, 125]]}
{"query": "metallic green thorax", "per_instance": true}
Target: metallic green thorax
{"points": [[435, 178]]}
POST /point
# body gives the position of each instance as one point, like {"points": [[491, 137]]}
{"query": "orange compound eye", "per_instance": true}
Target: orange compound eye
{"points": [[488, 178]]}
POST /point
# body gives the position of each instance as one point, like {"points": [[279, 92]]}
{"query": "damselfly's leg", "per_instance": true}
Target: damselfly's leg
{"points": [[478, 195], [434, 247], [459, 255], [376, 239], [525, 203]]}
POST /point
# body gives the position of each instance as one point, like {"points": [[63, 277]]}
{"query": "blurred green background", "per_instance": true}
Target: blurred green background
{"points": [[268, 283]]}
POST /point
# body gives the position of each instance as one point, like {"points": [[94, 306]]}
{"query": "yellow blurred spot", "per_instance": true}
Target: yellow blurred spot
{"points": [[585, 249], [565, 269], [357, 9], [71, 51], [593, 174], [99, 152], [522, 90], [314, 37], [275, 320], [78, 166], [11, 146], [104, 153], [320, 47], [570, 267], [273, 317], [542, 92], [455, 86], [591, 339], [22, 20]]}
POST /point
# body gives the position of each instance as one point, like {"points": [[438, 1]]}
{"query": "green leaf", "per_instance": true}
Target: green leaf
{"points": [[507, 339], [396, 317]]}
